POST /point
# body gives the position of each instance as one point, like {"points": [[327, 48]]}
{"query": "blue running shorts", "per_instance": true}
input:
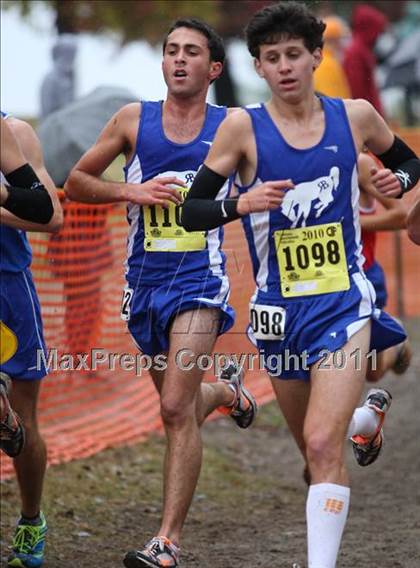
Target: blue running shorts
{"points": [[312, 328], [150, 310], [376, 276], [20, 314]]}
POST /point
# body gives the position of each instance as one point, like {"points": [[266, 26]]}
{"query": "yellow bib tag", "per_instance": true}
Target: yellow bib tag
{"points": [[8, 343], [312, 260], [163, 231]]}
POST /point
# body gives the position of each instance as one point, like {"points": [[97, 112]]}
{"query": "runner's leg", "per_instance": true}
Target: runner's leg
{"points": [[334, 395], [30, 465], [180, 397]]}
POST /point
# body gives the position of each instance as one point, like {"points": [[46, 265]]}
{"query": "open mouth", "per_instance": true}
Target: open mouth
{"points": [[287, 82], [180, 73]]}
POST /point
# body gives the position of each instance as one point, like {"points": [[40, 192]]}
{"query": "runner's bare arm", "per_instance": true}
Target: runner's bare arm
{"points": [[393, 217], [401, 170], [12, 156], [413, 221], [227, 148], [84, 183], [29, 151], [231, 150]]}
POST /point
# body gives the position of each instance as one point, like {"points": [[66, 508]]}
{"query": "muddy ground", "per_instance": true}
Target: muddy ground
{"points": [[249, 509]]}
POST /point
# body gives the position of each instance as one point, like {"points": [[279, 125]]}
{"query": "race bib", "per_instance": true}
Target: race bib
{"points": [[126, 304], [312, 260], [8, 343], [163, 231], [267, 322]]}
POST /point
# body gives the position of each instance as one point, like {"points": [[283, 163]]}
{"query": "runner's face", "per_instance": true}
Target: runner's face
{"points": [[288, 67], [186, 65]]}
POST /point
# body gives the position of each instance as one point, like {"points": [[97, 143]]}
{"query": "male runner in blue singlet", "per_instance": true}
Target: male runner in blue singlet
{"points": [[28, 203], [298, 199], [177, 290]]}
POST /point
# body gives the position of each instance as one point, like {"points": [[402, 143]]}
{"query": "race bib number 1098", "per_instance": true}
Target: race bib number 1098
{"points": [[312, 260]]}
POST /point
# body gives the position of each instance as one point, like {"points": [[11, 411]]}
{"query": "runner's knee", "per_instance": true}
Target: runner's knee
{"points": [[322, 447], [175, 412], [26, 408]]}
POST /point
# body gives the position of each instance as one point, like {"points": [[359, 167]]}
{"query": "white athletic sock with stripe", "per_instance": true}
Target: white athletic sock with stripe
{"points": [[364, 422], [327, 507]]}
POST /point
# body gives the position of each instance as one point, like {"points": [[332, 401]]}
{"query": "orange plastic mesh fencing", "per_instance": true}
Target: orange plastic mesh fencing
{"points": [[79, 278]]}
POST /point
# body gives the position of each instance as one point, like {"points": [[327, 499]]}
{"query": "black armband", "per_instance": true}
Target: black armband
{"points": [[404, 164], [201, 210], [27, 197]]}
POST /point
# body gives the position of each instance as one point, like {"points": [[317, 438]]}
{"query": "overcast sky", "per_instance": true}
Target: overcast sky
{"points": [[26, 59]]}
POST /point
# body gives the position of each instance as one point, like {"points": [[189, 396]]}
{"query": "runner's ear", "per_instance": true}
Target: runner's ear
{"points": [[257, 65], [317, 57], [216, 68]]}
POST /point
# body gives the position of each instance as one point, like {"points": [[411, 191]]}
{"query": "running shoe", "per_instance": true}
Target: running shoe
{"points": [[28, 544], [12, 434], [244, 408], [159, 552], [367, 448]]}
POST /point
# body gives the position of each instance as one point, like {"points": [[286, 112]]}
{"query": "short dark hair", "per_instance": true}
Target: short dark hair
{"points": [[214, 41], [290, 19]]}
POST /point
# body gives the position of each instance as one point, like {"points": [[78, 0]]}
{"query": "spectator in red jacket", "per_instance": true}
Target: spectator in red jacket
{"points": [[368, 23]]}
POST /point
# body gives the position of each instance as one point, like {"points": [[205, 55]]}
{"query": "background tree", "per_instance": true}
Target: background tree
{"points": [[133, 20]]}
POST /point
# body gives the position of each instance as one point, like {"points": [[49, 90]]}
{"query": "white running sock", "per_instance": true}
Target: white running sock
{"points": [[327, 507], [364, 422]]}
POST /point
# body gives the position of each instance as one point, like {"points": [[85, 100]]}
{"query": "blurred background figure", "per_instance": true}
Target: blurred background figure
{"points": [[58, 87], [330, 77], [68, 133], [368, 24], [80, 256], [402, 71]]}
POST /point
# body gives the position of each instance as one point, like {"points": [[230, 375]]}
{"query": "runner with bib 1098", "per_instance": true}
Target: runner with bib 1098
{"points": [[296, 158]]}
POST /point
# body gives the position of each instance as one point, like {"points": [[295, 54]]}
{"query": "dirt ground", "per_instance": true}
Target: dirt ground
{"points": [[249, 508]]}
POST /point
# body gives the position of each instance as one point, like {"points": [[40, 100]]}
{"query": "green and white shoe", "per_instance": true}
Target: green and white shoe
{"points": [[28, 544]]}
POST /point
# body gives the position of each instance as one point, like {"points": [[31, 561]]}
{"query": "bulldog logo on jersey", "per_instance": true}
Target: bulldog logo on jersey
{"points": [[316, 194]]}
